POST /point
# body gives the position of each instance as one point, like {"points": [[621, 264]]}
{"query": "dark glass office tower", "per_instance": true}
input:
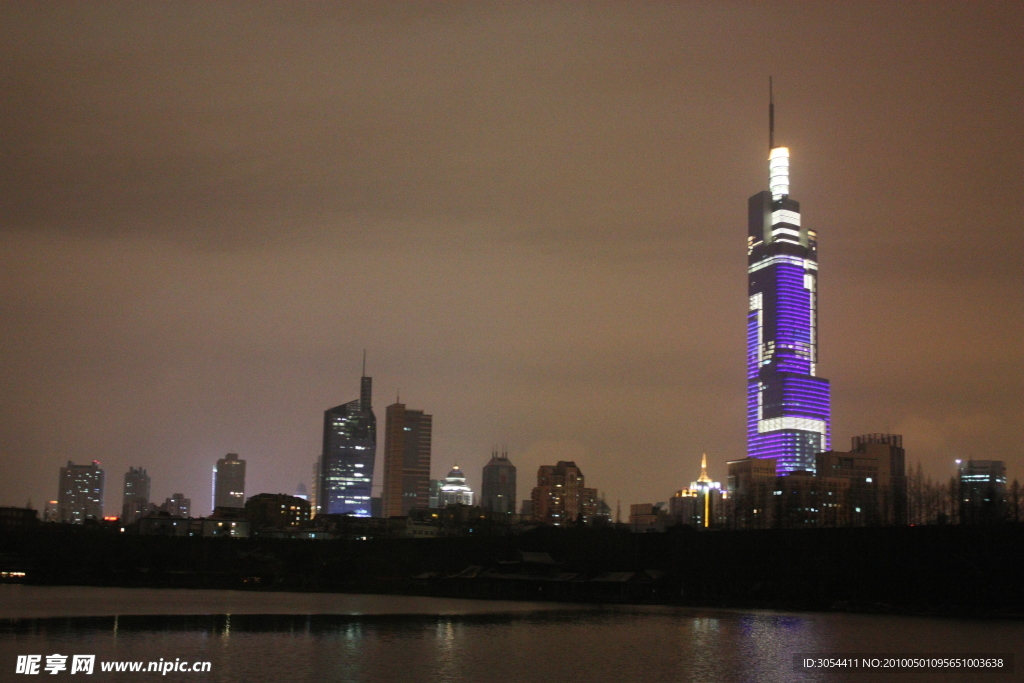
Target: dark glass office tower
{"points": [[499, 484], [788, 411], [350, 449], [136, 494], [229, 482]]}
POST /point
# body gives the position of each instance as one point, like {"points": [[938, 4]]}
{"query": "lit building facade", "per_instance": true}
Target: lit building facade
{"points": [[81, 493], [229, 482], [702, 504], [875, 488], [136, 494], [788, 405], [454, 490], [498, 492], [407, 437], [982, 491], [561, 497], [276, 511], [177, 506], [51, 513], [865, 486], [345, 470]]}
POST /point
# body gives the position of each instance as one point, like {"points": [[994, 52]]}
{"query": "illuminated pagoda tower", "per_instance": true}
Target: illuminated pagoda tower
{"points": [[345, 469], [788, 411]]}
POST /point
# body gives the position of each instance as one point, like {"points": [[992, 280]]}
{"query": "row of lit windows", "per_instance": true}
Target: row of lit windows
{"points": [[782, 258], [786, 216]]}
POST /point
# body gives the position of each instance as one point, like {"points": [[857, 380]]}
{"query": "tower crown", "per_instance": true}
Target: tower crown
{"points": [[778, 172]]}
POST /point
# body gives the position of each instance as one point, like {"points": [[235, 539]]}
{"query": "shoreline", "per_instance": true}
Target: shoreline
{"points": [[358, 605]]}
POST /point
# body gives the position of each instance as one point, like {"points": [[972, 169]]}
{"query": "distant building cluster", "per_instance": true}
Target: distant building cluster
{"points": [[341, 492], [865, 486]]}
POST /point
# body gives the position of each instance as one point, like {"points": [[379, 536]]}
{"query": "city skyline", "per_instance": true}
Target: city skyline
{"points": [[533, 220]]}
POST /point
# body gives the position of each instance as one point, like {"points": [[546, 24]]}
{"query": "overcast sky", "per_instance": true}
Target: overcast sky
{"points": [[531, 215]]}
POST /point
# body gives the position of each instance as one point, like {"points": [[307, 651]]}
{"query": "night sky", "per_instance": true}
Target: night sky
{"points": [[531, 215]]}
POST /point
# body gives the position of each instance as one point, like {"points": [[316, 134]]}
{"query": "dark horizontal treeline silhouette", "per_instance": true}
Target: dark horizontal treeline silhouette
{"points": [[961, 569]]}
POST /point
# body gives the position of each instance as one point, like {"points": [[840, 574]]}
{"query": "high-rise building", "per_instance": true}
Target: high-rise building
{"points": [[178, 506], [877, 480], [345, 474], [454, 490], [751, 485], [560, 497], [229, 482], [81, 493], [498, 493], [982, 491], [788, 405], [407, 435], [136, 494], [702, 504]]}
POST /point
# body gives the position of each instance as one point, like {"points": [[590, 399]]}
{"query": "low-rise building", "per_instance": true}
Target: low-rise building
{"points": [[18, 519], [277, 511], [163, 523], [645, 517], [225, 522]]}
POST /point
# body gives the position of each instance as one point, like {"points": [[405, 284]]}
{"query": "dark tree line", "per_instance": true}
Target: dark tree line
{"points": [[937, 502]]}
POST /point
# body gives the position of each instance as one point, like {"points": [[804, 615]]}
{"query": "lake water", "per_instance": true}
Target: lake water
{"points": [[332, 637]]}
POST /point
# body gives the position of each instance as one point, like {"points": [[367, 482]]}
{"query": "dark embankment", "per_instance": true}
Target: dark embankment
{"points": [[939, 569]]}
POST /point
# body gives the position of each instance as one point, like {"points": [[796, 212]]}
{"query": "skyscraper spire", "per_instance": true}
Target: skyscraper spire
{"points": [[704, 468], [771, 116], [364, 363]]}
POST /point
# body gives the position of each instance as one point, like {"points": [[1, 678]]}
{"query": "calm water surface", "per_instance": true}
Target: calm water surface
{"points": [[328, 637]]}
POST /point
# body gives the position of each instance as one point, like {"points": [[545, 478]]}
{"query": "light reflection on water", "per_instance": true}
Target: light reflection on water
{"points": [[617, 644]]}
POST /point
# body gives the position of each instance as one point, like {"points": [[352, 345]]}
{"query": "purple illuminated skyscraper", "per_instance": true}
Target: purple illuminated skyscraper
{"points": [[788, 412]]}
